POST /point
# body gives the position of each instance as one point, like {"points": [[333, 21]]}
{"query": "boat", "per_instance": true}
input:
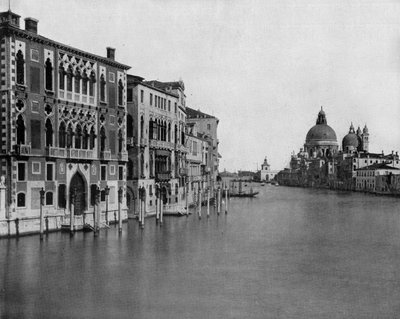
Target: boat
{"points": [[262, 184], [241, 192]]}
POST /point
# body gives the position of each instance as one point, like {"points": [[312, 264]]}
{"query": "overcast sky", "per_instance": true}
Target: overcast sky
{"points": [[264, 68]]}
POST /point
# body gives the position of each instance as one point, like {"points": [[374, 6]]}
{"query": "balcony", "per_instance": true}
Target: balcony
{"points": [[105, 155], [161, 144], [56, 152], [165, 176], [22, 149], [183, 171], [123, 156], [81, 154], [143, 142]]}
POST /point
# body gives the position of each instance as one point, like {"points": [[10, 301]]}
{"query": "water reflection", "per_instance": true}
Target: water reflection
{"points": [[290, 253]]}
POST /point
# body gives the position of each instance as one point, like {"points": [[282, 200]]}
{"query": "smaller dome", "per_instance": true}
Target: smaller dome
{"points": [[350, 141]]}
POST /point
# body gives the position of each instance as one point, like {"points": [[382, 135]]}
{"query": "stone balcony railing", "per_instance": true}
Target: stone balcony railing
{"points": [[105, 155], [123, 156], [165, 176], [143, 142], [56, 152], [161, 144], [70, 153], [22, 149]]}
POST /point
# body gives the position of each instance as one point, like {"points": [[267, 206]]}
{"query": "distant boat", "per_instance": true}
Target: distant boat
{"points": [[262, 184], [243, 193]]}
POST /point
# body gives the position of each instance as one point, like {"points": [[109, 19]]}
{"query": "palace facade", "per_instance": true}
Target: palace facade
{"points": [[63, 128]]}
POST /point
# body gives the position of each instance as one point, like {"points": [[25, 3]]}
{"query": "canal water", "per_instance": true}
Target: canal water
{"points": [[289, 253]]}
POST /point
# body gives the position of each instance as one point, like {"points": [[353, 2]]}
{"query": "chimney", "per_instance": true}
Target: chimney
{"points": [[31, 25], [110, 53]]}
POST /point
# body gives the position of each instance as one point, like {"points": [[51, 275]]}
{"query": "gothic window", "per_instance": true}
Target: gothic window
{"points": [[49, 133], [78, 136], [62, 202], [182, 136], [129, 126], [77, 82], [61, 79], [130, 170], [61, 135], [102, 139], [151, 129], [49, 75], [169, 132], [176, 134], [92, 138], [20, 68], [120, 141], [121, 93], [102, 88], [141, 164], [141, 127], [84, 83], [151, 164], [69, 79], [20, 130], [92, 81], [85, 138], [70, 135]]}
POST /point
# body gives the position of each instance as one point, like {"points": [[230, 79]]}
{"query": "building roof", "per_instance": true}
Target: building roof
{"points": [[376, 166], [167, 85], [192, 113], [136, 79]]}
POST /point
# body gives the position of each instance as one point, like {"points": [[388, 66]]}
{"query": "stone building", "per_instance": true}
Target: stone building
{"points": [[63, 115], [207, 127], [156, 146]]}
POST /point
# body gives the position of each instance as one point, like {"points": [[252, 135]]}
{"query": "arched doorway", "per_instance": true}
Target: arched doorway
{"points": [[77, 192]]}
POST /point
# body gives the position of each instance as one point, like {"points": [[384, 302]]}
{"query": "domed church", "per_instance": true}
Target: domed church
{"points": [[356, 141], [321, 139]]}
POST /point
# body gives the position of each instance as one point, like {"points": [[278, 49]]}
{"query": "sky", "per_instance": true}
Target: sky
{"points": [[263, 68]]}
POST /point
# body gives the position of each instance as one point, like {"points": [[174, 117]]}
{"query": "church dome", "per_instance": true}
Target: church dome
{"points": [[321, 132], [351, 140]]}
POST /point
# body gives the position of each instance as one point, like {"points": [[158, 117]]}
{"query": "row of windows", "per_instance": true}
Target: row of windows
{"points": [[72, 81], [62, 201], [50, 173]]}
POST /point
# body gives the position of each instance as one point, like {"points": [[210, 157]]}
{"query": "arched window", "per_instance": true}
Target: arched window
{"points": [[62, 200], [120, 92], [169, 132], [151, 164], [182, 136], [49, 133], [102, 139], [77, 82], [129, 126], [85, 138], [49, 198], [84, 83], [130, 169], [49, 75], [151, 129], [70, 135], [20, 130], [102, 88], [176, 134], [120, 141], [61, 78], [141, 164], [20, 68], [69, 79], [78, 136], [92, 81], [61, 135], [92, 138], [141, 127], [21, 200]]}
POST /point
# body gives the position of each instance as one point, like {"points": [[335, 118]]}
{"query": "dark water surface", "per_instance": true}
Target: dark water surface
{"points": [[290, 253]]}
